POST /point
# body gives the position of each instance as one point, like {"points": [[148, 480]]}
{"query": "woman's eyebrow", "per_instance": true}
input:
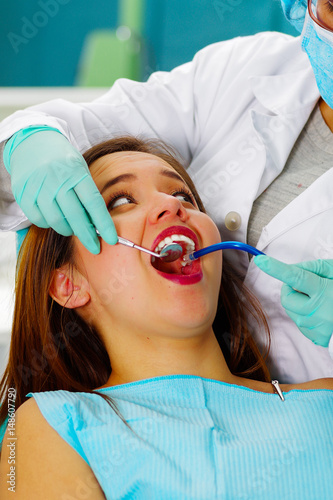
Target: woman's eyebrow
{"points": [[131, 177], [119, 178], [172, 174]]}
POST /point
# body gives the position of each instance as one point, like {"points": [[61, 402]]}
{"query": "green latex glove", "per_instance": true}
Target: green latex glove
{"points": [[52, 184], [311, 310]]}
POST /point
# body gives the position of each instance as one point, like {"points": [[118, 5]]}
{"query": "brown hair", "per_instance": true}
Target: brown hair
{"points": [[45, 353]]}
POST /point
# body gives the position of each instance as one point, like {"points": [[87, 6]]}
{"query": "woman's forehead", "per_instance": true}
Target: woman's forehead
{"points": [[130, 158], [115, 163]]}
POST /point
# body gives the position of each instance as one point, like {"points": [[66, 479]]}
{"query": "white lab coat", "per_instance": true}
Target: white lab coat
{"points": [[234, 113]]}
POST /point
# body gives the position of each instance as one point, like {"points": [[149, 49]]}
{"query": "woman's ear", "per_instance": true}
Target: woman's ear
{"points": [[69, 288]]}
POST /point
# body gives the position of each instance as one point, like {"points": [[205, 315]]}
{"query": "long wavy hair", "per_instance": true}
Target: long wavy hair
{"points": [[53, 348]]}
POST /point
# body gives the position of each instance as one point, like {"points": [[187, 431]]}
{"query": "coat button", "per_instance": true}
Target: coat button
{"points": [[233, 221]]}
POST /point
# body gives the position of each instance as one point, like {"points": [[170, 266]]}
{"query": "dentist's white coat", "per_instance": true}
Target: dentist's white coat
{"points": [[234, 113]]}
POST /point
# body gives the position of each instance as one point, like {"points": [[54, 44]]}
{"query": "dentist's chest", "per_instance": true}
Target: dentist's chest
{"points": [[252, 196]]}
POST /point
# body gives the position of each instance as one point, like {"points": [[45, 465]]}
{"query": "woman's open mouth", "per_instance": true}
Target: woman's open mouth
{"points": [[178, 271]]}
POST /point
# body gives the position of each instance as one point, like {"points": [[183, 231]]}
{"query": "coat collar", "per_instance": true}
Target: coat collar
{"points": [[286, 93], [286, 101]]}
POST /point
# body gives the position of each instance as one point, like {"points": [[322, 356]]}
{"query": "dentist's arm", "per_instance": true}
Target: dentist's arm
{"points": [[52, 184], [166, 106], [163, 107], [306, 295], [184, 107]]}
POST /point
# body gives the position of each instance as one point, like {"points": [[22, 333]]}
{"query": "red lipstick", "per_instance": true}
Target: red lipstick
{"points": [[187, 275]]}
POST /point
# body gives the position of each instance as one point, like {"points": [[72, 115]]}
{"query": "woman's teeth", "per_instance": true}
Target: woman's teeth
{"points": [[187, 245], [190, 245]]}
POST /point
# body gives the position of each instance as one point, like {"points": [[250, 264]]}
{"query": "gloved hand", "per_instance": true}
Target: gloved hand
{"points": [[306, 295], [52, 184]]}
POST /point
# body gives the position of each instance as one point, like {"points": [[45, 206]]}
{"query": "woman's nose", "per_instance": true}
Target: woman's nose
{"points": [[164, 207]]}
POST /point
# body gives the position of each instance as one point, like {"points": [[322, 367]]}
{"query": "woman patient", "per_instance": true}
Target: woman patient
{"points": [[139, 379]]}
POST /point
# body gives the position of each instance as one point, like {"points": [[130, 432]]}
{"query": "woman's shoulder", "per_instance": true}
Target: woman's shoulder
{"points": [[67, 400], [30, 422], [66, 410], [33, 418], [41, 458], [320, 383], [266, 387]]}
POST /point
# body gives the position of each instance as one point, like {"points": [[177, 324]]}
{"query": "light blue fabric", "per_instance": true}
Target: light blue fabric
{"points": [[199, 439], [3, 428], [318, 44], [20, 235], [295, 11]]}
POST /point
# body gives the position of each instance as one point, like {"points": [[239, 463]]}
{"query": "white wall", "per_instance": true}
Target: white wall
{"points": [[12, 99], [7, 274]]}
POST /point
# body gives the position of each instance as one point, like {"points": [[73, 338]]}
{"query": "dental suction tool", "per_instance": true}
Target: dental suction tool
{"points": [[169, 253], [224, 245]]}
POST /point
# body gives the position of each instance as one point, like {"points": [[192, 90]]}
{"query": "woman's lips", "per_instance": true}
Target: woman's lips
{"points": [[187, 275], [175, 230]]}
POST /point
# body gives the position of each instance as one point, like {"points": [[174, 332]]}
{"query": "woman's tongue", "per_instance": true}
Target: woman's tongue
{"points": [[168, 267], [173, 267]]}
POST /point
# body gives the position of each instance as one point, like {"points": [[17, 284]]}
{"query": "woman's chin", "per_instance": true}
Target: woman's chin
{"points": [[191, 317]]}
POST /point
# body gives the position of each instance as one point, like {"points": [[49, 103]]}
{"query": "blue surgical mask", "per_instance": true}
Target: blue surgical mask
{"points": [[295, 11], [318, 44]]}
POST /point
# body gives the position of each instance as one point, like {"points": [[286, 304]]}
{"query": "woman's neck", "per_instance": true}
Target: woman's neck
{"points": [[327, 113], [155, 357]]}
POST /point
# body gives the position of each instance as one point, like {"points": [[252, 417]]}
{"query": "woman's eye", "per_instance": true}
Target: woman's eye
{"points": [[121, 201], [184, 197], [329, 6], [118, 201]]}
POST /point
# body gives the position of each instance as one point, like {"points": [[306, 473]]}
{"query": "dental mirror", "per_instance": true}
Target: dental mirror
{"points": [[169, 253]]}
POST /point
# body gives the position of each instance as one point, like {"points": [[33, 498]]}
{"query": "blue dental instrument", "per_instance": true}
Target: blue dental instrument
{"points": [[224, 245]]}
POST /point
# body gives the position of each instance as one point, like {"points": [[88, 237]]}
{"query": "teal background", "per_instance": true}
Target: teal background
{"points": [[174, 30]]}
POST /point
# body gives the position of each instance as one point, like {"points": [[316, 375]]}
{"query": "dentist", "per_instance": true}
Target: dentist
{"points": [[253, 118]]}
